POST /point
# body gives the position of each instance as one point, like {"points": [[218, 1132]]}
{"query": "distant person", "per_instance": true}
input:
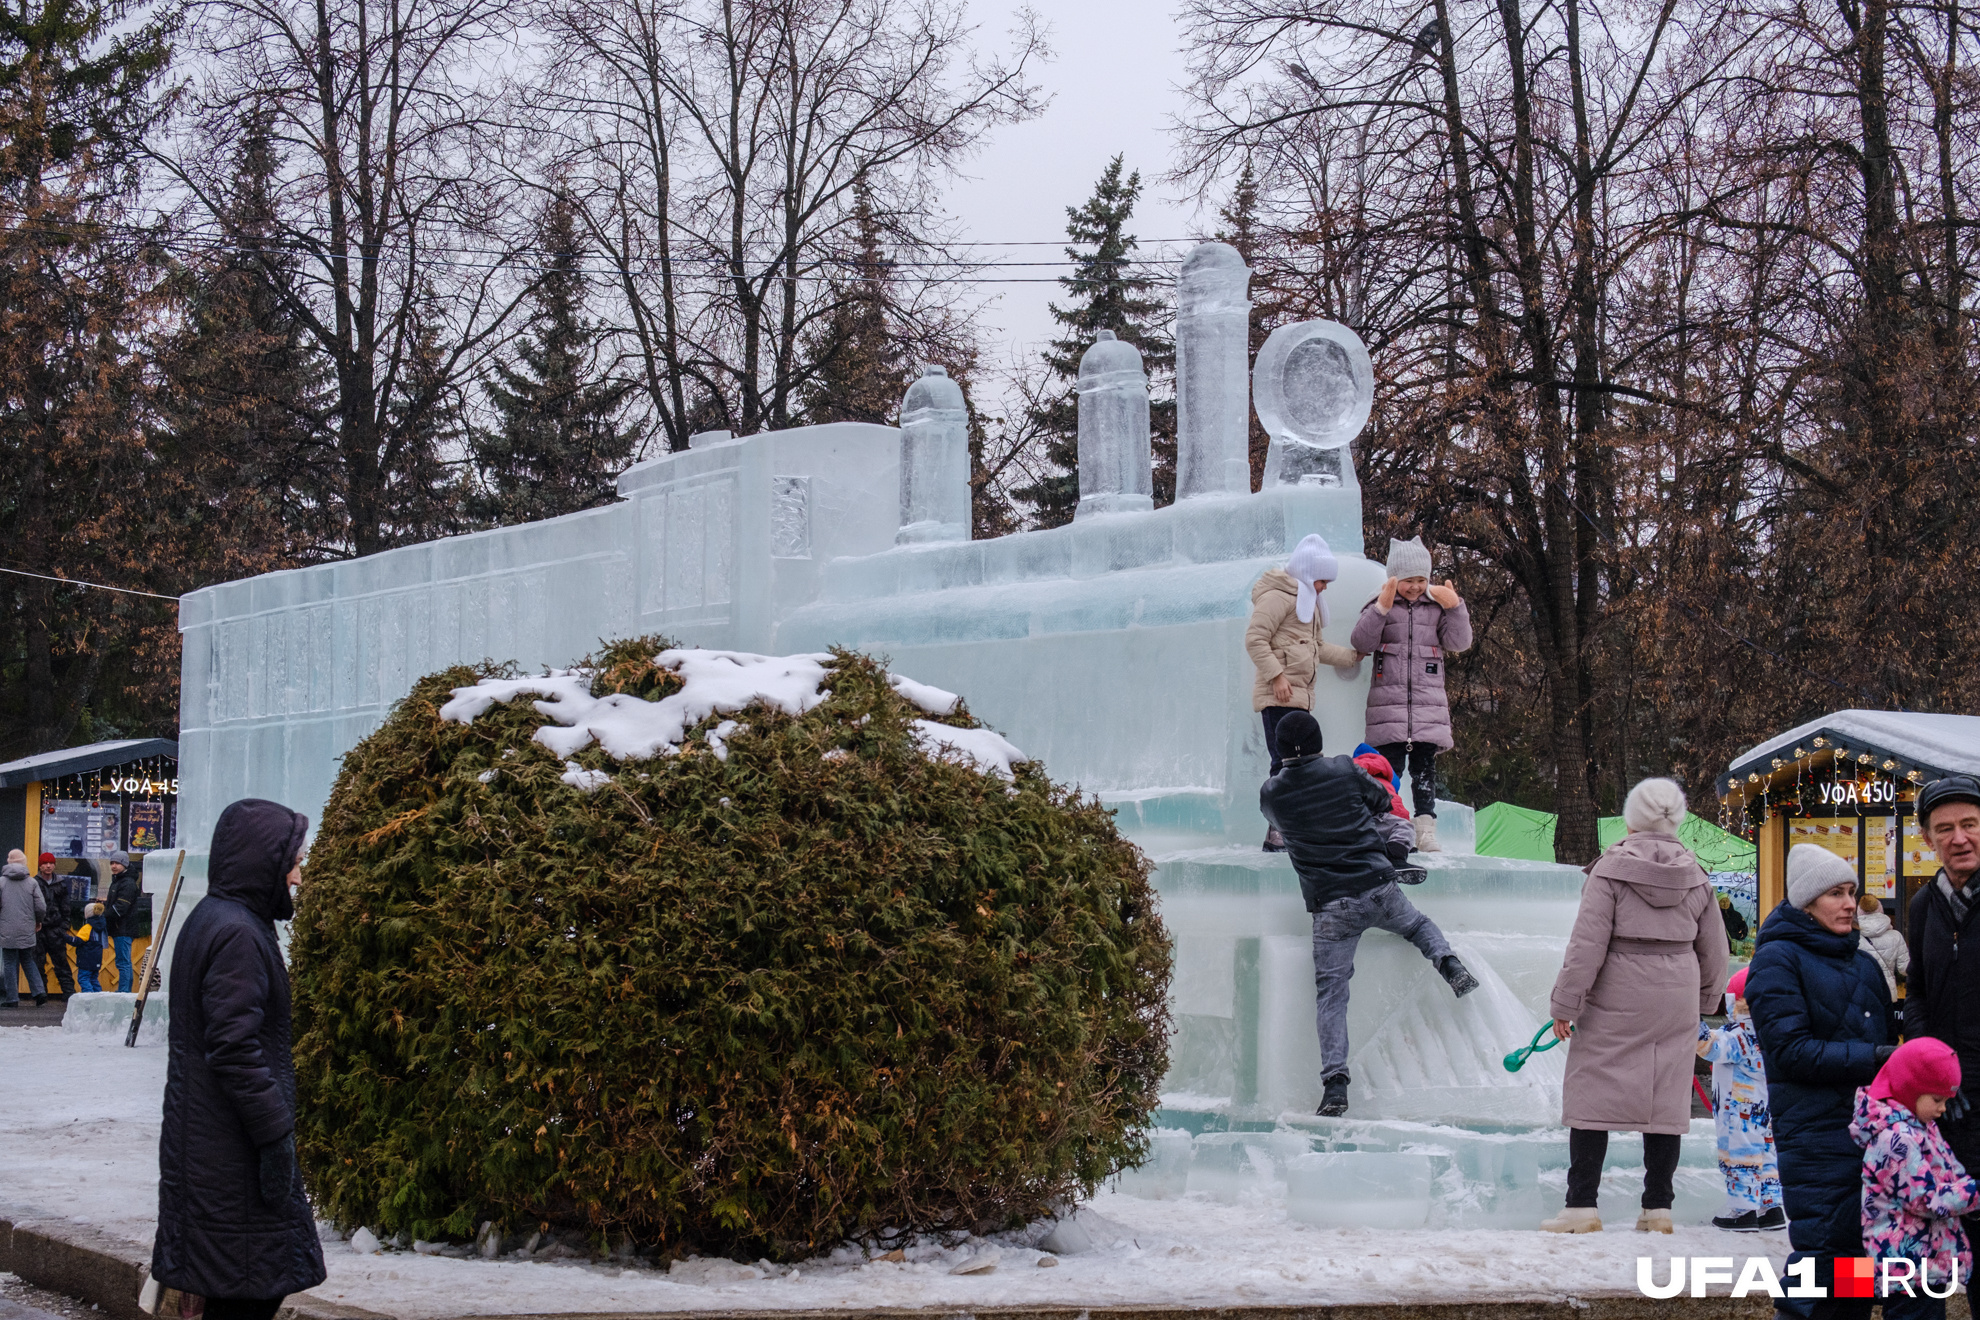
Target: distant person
{"points": [[52, 945], [1646, 961], [1283, 640], [1882, 941], [1825, 1024], [1326, 807], [1942, 995], [22, 910], [234, 1226], [1740, 1120], [1914, 1188], [1412, 629], [119, 916], [1736, 928]]}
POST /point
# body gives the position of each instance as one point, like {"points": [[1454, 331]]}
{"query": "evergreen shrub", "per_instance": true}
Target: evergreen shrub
{"points": [[824, 989]]}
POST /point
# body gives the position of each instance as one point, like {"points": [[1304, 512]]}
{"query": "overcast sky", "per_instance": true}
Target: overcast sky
{"points": [[1113, 81]]}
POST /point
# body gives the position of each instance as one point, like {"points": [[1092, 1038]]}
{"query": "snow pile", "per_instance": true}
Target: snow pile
{"points": [[984, 749], [714, 683]]}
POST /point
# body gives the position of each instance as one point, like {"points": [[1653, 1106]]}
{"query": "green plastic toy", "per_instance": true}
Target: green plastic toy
{"points": [[1517, 1059]]}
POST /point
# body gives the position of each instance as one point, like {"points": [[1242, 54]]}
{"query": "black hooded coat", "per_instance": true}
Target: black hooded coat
{"points": [[230, 1081]]}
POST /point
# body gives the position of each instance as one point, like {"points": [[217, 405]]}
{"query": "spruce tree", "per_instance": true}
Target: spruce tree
{"points": [[1106, 295], [559, 441], [858, 371]]}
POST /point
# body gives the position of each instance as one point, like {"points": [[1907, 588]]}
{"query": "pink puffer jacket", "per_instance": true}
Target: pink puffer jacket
{"points": [[1914, 1190], [1411, 644]]}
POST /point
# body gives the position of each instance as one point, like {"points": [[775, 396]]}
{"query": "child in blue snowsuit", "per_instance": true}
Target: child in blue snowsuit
{"points": [[1739, 1112]]}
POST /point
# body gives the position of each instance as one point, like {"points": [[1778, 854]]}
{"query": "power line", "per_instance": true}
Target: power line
{"points": [[96, 586]]}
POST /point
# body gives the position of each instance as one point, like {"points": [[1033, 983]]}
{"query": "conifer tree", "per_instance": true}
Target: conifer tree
{"points": [[1106, 295], [247, 403], [559, 441], [858, 369], [427, 486]]}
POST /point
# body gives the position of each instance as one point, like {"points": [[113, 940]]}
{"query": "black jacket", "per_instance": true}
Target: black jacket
{"points": [[230, 1081], [1820, 1008], [120, 906], [1942, 989], [1325, 807]]}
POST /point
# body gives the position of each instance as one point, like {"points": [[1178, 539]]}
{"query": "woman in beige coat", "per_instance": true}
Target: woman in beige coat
{"points": [[1646, 961], [1283, 639]]}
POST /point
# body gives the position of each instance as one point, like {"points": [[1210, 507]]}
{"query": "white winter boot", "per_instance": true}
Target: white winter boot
{"points": [[1655, 1221], [1574, 1219], [1426, 834]]}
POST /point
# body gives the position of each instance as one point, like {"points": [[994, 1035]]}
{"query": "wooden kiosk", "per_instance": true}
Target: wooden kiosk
{"points": [[1846, 782]]}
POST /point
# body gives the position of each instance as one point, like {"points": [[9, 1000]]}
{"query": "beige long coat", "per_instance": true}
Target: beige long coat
{"points": [[1646, 960], [1280, 644]]}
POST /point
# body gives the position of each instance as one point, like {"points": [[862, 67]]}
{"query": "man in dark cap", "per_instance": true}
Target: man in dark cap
{"points": [[1326, 807], [234, 1226], [1942, 995]]}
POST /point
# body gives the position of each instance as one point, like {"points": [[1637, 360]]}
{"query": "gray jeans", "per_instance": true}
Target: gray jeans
{"points": [[13, 962], [1337, 929]]}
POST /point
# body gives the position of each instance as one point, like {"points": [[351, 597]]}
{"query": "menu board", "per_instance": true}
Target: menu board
{"points": [[76, 829], [1889, 854]]}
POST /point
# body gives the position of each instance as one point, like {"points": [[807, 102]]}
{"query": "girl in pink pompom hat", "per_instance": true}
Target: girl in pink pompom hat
{"points": [[1914, 1190], [1741, 1121]]}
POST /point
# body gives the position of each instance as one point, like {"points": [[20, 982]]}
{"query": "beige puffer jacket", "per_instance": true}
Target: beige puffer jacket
{"points": [[1280, 644]]}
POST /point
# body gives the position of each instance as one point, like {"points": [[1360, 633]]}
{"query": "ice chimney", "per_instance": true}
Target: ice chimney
{"points": [[1213, 373], [1113, 430], [934, 461]]}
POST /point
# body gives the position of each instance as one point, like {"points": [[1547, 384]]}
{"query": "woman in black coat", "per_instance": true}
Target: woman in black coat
{"points": [[233, 1224], [1823, 1014]]}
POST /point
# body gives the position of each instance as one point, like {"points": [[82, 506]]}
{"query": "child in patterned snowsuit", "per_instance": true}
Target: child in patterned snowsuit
{"points": [[1739, 1113], [1914, 1190]]}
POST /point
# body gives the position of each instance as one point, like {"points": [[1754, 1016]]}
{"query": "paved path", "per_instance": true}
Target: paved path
{"points": [[27, 1015], [19, 1301]]}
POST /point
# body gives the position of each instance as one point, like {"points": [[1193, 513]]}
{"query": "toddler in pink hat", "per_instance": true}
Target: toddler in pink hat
{"points": [[1741, 1121], [1914, 1190]]}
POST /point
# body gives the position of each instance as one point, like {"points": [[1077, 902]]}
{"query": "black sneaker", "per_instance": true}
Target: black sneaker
{"points": [[1771, 1221], [1747, 1221], [1455, 975], [1334, 1103], [1411, 875], [1274, 841]]}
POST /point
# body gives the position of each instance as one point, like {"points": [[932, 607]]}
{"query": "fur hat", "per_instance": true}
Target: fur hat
{"points": [[1311, 562], [1923, 1066], [1298, 735], [15, 857], [1654, 806], [1408, 559], [1813, 871]]}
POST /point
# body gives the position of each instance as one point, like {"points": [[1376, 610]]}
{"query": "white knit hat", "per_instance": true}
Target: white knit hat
{"points": [[1655, 806], [1408, 559], [1813, 871], [1312, 562]]}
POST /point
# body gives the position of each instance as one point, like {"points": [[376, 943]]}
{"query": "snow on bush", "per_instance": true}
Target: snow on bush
{"points": [[722, 952]]}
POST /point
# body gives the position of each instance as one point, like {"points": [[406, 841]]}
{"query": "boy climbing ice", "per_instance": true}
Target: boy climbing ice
{"points": [[1739, 1113], [1327, 807]]}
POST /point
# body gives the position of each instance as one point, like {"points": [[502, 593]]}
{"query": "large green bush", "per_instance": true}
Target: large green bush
{"points": [[824, 989]]}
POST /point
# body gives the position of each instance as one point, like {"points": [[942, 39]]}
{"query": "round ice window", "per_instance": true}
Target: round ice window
{"points": [[1319, 385]]}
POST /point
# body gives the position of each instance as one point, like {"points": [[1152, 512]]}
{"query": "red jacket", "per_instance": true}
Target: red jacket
{"points": [[1378, 765]]}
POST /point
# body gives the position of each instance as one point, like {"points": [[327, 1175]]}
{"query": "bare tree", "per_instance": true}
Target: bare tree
{"points": [[390, 241], [716, 149]]}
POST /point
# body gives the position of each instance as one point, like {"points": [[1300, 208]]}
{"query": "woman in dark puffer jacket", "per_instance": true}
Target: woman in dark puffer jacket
{"points": [[233, 1224], [1824, 1018]]}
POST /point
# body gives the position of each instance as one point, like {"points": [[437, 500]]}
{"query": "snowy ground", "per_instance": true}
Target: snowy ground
{"points": [[85, 1150]]}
